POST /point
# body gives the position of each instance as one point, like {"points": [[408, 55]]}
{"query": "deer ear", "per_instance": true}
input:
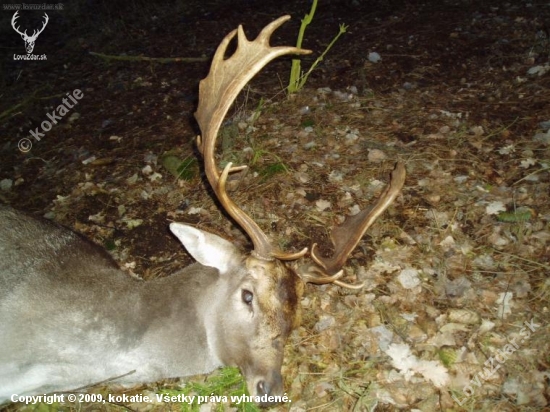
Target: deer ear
{"points": [[206, 248]]}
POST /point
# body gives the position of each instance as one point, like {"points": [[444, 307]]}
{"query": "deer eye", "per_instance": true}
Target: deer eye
{"points": [[247, 296]]}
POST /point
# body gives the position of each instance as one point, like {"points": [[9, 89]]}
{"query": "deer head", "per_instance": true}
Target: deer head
{"points": [[29, 40], [217, 92]]}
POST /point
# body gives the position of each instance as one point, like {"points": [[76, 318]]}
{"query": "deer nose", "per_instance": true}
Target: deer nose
{"points": [[270, 387], [262, 388]]}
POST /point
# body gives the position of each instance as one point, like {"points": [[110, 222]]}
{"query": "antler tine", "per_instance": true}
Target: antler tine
{"points": [[316, 275], [346, 236], [217, 92]]}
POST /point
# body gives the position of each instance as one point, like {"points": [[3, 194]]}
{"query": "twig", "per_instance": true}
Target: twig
{"points": [[547, 267], [7, 112], [150, 59]]}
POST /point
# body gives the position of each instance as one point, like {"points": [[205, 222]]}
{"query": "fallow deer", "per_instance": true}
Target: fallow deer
{"points": [[70, 317]]}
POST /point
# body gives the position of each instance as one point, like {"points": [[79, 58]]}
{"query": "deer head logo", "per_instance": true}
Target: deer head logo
{"points": [[29, 40]]}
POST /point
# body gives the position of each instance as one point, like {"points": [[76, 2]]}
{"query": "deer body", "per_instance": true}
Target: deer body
{"points": [[71, 318]]}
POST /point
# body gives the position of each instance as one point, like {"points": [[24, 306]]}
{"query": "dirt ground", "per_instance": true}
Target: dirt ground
{"points": [[454, 314]]}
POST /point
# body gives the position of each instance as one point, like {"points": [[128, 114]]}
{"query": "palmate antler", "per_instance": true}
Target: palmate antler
{"points": [[217, 92]]}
